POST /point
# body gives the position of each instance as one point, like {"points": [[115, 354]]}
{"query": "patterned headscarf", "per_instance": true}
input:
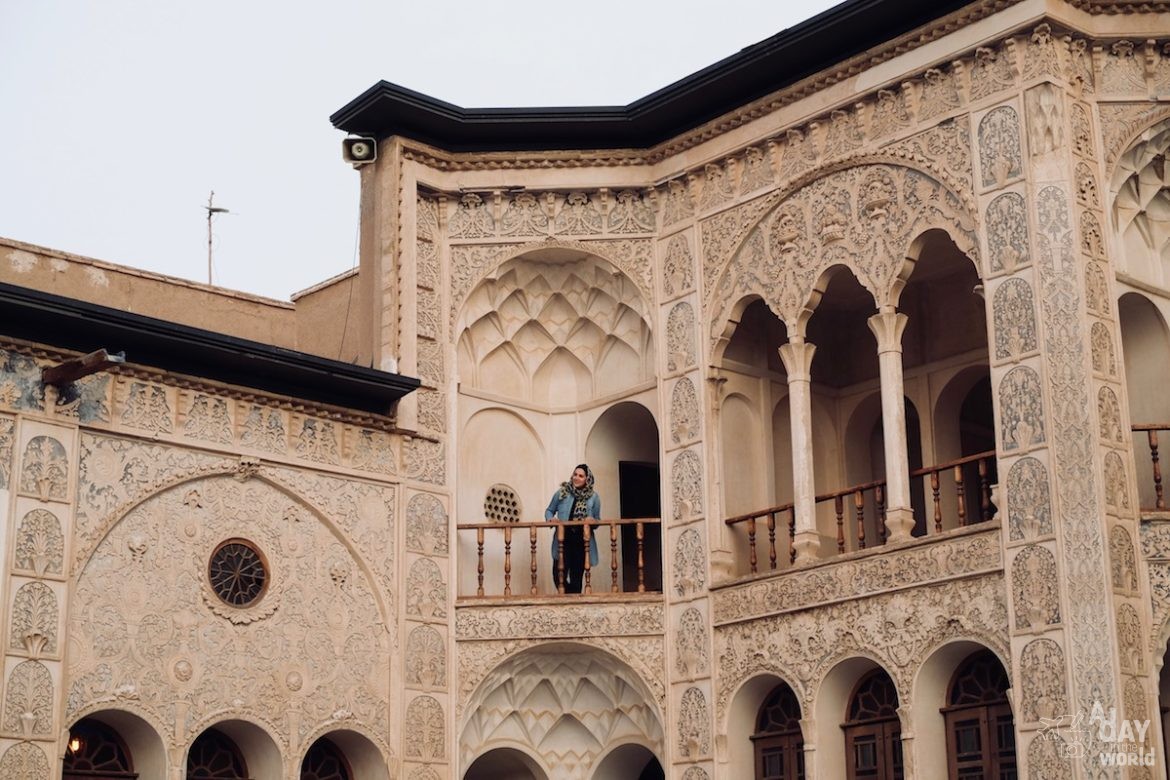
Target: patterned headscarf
{"points": [[580, 495]]}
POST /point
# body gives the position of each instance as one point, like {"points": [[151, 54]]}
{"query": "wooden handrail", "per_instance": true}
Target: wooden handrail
{"points": [[855, 496], [559, 527]]}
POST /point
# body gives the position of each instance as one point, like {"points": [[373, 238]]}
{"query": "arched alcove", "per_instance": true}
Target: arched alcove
{"points": [[568, 703], [629, 762], [933, 686], [744, 726], [505, 763], [1140, 190], [621, 449], [831, 708], [1145, 345], [357, 753], [488, 432], [114, 744], [234, 750]]}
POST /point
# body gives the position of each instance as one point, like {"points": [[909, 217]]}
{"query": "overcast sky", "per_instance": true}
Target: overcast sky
{"points": [[119, 116]]}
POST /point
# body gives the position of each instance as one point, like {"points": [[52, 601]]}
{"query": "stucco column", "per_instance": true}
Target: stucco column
{"points": [[797, 356], [887, 326]]}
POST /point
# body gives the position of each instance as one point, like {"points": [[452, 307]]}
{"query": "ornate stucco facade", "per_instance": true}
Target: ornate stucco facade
{"points": [[947, 250]]}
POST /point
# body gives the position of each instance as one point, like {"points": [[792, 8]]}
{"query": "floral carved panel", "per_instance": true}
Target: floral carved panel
{"points": [[426, 525], [690, 565], [684, 411], [7, 434], [1021, 409], [44, 470], [680, 337], [34, 620], [40, 545], [1042, 681], [678, 268], [690, 645], [1109, 416], [425, 729], [686, 480], [426, 592], [999, 147], [24, 761], [1034, 589], [426, 658], [1007, 233], [1014, 312], [1029, 502], [1122, 561], [28, 701], [694, 725]]}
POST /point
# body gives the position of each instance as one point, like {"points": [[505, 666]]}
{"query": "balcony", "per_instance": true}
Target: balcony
{"points": [[950, 495], [514, 560]]}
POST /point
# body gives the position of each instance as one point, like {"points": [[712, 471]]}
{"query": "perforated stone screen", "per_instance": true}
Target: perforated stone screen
{"points": [[501, 505]]}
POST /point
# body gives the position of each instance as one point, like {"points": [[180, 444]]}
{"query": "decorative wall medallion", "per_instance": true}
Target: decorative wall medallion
{"points": [[238, 582]]}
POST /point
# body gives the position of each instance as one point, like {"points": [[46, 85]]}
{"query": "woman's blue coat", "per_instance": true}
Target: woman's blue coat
{"points": [[562, 509]]}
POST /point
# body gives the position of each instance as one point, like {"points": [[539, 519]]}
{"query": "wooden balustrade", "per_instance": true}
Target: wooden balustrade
{"points": [[1151, 430], [555, 530], [868, 503]]}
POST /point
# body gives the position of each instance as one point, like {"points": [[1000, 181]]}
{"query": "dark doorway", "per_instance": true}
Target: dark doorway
{"points": [[638, 484]]}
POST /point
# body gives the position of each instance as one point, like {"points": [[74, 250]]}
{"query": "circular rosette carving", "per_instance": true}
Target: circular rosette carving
{"points": [[255, 593]]}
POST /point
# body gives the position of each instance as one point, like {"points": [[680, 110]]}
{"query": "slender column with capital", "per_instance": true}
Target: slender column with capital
{"points": [[797, 355], [887, 326]]}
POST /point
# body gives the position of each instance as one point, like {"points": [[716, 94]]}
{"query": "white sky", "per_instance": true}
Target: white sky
{"points": [[119, 116]]}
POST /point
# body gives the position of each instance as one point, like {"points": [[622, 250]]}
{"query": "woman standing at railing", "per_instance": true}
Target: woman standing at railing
{"points": [[575, 500]]}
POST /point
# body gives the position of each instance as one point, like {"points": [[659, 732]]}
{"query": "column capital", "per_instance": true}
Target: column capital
{"points": [[797, 356], [888, 325]]}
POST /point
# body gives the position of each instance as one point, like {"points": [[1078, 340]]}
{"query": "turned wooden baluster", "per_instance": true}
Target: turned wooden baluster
{"points": [[879, 498], [641, 534], [588, 566], [532, 553], [507, 560], [479, 545], [560, 559], [859, 502], [960, 496], [839, 508], [984, 492], [1160, 501], [613, 567], [772, 540], [934, 492], [791, 535], [751, 523]]}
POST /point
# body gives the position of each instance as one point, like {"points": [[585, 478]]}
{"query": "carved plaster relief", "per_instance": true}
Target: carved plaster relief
{"points": [[24, 761], [425, 729], [40, 545], [426, 525], [426, 592], [1007, 233], [690, 645], [1123, 566], [1029, 504], [678, 269], [686, 479], [1041, 680], [999, 147], [680, 337], [1021, 410], [7, 434], [684, 413], [44, 469], [1014, 312], [694, 725], [1034, 585]]}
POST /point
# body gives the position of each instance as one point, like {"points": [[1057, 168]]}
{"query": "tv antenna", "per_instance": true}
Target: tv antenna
{"points": [[212, 210]]}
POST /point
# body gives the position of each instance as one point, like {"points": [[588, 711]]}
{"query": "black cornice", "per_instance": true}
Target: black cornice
{"points": [[814, 45], [67, 323]]}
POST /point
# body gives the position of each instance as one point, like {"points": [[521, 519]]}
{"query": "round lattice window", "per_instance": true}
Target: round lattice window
{"points": [[501, 505], [237, 573]]}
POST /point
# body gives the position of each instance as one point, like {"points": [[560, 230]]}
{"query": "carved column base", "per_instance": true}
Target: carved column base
{"points": [[899, 523], [807, 545]]}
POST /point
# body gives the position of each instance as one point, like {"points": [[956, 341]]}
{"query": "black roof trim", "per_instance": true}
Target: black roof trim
{"points": [[814, 45], [66, 323]]}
